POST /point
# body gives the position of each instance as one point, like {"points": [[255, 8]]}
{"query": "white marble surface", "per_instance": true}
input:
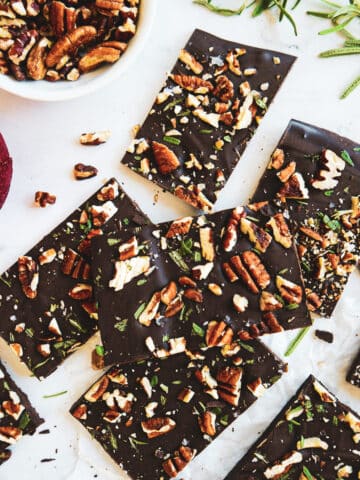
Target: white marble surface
{"points": [[43, 139]]}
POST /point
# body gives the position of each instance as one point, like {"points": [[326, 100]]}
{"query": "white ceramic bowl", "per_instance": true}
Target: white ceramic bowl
{"points": [[87, 83]]}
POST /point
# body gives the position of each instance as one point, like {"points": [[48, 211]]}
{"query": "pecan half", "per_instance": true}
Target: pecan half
{"points": [[35, 63], [268, 302], [157, 426], [256, 268], [189, 60], [272, 323], [97, 390], [69, 44], [286, 172], [62, 18], [80, 412], [229, 384], [106, 52], [81, 291], [207, 423], [82, 172], [294, 188], [28, 276], [244, 274], [168, 293], [42, 199], [331, 167], [165, 159], [174, 307], [192, 83], [194, 295], [218, 334], [207, 243]]}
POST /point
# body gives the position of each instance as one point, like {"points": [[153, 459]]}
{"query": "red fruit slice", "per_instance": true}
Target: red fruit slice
{"points": [[5, 171]]}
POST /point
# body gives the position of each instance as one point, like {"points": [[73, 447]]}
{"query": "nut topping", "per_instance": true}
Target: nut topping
{"points": [[218, 334], [258, 236], [96, 138], [207, 423], [165, 159], [192, 83], [280, 230], [190, 61], [331, 168], [28, 276], [157, 426], [179, 227], [289, 291], [97, 390], [42, 199], [82, 172]]}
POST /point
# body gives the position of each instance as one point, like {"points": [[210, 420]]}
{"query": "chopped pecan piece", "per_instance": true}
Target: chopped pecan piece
{"points": [[187, 282], [129, 249], [174, 307], [283, 466], [233, 62], [224, 89], [168, 293], [313, 300], [186, 395], [97, 390], [229, 272], [294, 188], [256, 268], [47, 257], [309, 232], [151, 309], [82, 172], [240, 303], [331, 167], [277, 159], [207, 423], [154, 427], [80, 412], [201, 272], [95, 138], [42, 199], [218, 334], [229, 380], [190, 61], [81, 291], [10, 435], [268, 302], [289, 291], [172, 466], [257, 235], [179, 227], [28, 276], [109, 192], [194, 295], [272, 323], [256, 387], [194, 197], [287, 172], [192, 83], [280, 230], [207, 243], [73, 264]]}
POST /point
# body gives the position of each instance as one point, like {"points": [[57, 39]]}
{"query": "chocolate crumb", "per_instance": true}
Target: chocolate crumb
{"points": [[324, 335]]}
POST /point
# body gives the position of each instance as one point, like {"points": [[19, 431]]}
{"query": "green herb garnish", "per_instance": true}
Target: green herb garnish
{"points": [[100, 350], [227, 12], [172, 140], [197, 330], [53, 395], [294, 344], [346, 157], [122, 324]]}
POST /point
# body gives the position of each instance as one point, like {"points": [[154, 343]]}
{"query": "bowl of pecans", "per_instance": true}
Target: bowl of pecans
{"points": [[54, 50]]}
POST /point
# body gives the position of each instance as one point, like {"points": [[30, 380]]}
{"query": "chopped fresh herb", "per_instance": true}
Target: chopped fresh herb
{"points": [[112, 241], [163, 400], [328, 193], [335, 420], [261, 457], [224, 420], [134, 442], [292, 306], [294, 343], [227, 12], [260, 103], [331, 224], [142, 281], [172, 104], [7, 282], [77, 325], [320, 408], [122, 324], [177, 258], [172, 140], [307, 473], [346, 157], [227, 138], [53, 395], [197, 256], [306, 265], [38, 365], [274, 379], [100, 350], [24, 420], [197, 330], [284, 270], [139, 310], [186, 246], [205, 131], [29, 332], [125, 221], [164, 388], [113, 440], [154, 380], [356, 149], [202, 405], [247, 347]]}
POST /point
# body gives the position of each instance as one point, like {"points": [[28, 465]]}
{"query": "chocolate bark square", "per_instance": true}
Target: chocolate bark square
{"points": [[314, 436], [154, 416], [182, 284], [201, 121], [47, 308], [317, 172], [17, 416]]}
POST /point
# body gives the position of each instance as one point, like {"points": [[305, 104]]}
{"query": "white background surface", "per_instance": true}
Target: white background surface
{"points": [[43, 140]]}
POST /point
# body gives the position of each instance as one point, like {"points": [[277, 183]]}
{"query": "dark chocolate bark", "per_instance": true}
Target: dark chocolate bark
{"points": [[47, 309], [353, 375], [154, 416], [17, 416], [318, 173], [202, 119], [181, 284], [314, 437]]}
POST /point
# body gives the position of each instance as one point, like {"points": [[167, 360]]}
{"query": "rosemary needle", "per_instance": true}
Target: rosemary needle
{"points": [[340, 51], [294, 343], [351, 88]]}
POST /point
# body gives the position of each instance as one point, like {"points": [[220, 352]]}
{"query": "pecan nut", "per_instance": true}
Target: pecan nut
{"points": [[106, 52], [224, 89], [256, 268], [157, 426], [294, 188], [82, 172], [207, 423], [165, 159], [290, 291], [280, 230], [62, 19], [193, 84], [189, 60], [218, 334], [28, 276], [174, 307], [35, 63], [257, 235], [172, 466], [244, 274], [168, 293], [194, 295], [96, 138], [97, 390], [229, 384], [81, 291], [42, 199], [179, 227], [151, 310]]}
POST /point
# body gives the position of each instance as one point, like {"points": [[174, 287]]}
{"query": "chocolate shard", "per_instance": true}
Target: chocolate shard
{"points": [[182, 284], [353, 375], [324, 335], [323, 197], [203, 118], [18, 417], [47, 307], [153, 417], [314, 436]]}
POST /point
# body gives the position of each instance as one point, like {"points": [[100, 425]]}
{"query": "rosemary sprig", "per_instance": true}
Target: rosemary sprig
{"points": [[227, 12], [294, 343], [350, 88]]}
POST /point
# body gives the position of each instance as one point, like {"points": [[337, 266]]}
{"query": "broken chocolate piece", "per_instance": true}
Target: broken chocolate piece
{"points": [[17, 416], [156, 415], [46, 305], [353, 375], [324, 335], [203, 118], [164, 288], [314, 436], [323, 199]]}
